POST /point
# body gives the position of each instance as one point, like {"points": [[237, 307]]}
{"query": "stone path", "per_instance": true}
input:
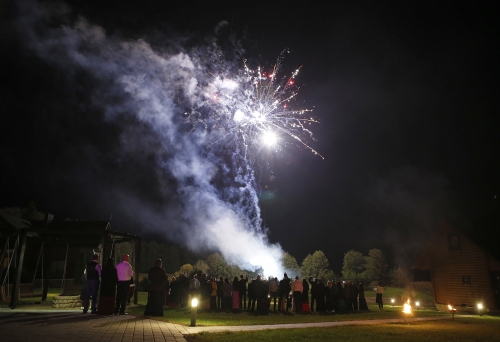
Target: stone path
{"points": [[40, 326]]}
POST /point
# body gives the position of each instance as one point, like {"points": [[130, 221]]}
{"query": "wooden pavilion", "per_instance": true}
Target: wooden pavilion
{"points": [[55, 250]]}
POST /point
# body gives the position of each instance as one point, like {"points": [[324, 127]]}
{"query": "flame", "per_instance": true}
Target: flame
{"points": [[407, 307]]}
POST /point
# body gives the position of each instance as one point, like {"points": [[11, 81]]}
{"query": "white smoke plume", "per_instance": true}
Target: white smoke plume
{"points": [[215, 203]]}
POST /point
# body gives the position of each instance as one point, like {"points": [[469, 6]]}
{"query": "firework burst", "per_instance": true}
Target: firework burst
{"points": [[259, 108]]}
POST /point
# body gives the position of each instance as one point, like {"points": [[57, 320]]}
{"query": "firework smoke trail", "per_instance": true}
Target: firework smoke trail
{"points": [[215, 202]]}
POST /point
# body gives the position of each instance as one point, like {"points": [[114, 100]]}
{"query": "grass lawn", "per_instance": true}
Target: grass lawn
{"points": [[221, 318], [478, 328]]}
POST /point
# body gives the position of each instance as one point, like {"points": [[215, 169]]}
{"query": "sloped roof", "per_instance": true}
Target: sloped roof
{"points": [[80, 232], [11, 224], [487, 242]]}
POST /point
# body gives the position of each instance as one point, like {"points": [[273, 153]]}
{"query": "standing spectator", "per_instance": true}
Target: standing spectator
{"points": [[251, 295], [125, 273], [283, 292], [335, 295], [236, 294], [258, 292], [243, 291], [314, 293], [341, 298], [264, 302], [213, 294], [204, 293], [109, 279], [273, 291], [194, 286], [167, 291], [362, 299], [329, 296], [355, 293], [227, 288], [157, 278], [174, 296], [297, 289], [183, 289], [378, 298], [93, 272], [305, 292], [220, 294], [321, 295], [348, 296]]}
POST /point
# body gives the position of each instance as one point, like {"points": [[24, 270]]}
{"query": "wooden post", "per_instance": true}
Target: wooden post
{"points": [[4, 252], [15, 288], [49, 256]]}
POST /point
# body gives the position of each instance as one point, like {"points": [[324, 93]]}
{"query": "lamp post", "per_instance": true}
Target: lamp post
{"points": [[392, 301], [194, 307], [417, 304], [480, 309]]}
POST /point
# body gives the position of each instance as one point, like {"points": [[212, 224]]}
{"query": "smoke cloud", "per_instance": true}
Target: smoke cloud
{"points": [[208, 197]]}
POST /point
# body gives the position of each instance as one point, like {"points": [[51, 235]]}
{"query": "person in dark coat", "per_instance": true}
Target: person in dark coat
{"points": [[93, 272], [305, 292], [109, 279], [243, 291], [362, 299], [220, 294], [258, 292], [174, 296], [314, 293], [355, 293], [283, 292], [251, 296], [348, 296], [320, 296], [157, 278], [341, 298], [329, 296]]}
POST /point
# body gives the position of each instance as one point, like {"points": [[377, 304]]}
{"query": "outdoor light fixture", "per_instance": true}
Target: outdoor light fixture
{"points": [[417, 304], [480, 308], [194, 307], [452, 311], [392, 301]]}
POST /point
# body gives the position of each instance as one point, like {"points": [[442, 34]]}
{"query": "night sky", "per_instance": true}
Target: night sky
{"points": [[407, 97]]}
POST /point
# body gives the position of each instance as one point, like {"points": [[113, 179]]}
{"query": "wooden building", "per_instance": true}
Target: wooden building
{"points": [[462, 272]]}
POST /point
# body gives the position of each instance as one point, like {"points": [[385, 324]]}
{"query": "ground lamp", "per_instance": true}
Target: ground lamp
{"points": [[392, 301], [417, 304], [480, 309], [452, 311], [406, 309], [194, 307]]}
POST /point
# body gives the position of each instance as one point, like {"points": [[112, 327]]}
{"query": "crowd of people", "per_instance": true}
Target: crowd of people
{"points": [[259, 294], [265, 294]]}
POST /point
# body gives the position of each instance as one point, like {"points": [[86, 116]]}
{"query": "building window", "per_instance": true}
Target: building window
{"points": [[466, 280], [454, 242]]}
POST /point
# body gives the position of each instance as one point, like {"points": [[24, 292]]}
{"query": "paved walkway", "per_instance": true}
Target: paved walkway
{"points": [[50, 325]]}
